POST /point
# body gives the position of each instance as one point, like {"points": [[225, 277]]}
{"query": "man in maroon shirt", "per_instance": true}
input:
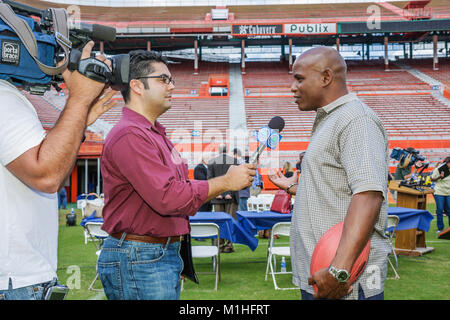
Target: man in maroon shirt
{"points": [[148, 195]]}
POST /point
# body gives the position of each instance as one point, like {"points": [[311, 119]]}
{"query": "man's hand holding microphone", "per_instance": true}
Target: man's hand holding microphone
{"points": [[236, 178]]}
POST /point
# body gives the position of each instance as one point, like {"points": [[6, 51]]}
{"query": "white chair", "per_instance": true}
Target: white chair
{"points": [[97, 235], [392, 222], [203, 230], [265, 203], [87, 209], [251, 206], [281, 228]]}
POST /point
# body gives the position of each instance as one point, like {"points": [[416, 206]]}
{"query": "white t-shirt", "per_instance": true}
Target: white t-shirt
{"points": [[28, 218]]}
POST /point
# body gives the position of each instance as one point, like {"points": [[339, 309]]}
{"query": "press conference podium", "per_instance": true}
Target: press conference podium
{"points": [[411, 242], [409, 197]]}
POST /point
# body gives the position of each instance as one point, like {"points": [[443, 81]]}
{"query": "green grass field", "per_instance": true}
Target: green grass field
{"points": [[421, 278]]}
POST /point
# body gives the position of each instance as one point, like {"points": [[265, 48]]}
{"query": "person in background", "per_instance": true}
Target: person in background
{"points": [[287, 169], [229, 200], [298, 165], [62, 198], [244, 194], [201, 173], [403, 172], [441, 194]]}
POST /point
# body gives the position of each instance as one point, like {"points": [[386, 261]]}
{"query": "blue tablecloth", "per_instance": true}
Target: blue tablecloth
{"points": [[409, 218], [412, 218], [253, 221], [229, 228]]}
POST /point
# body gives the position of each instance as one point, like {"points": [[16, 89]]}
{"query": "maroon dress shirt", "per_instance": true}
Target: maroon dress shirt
{"points": [[146, 185]]}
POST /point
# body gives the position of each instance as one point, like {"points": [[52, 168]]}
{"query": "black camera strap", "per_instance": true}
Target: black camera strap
{"points": [[25, 34]]}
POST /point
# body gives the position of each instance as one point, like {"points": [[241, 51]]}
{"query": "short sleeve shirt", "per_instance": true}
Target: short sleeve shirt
{"points": [[28, 218], [347, 154]]}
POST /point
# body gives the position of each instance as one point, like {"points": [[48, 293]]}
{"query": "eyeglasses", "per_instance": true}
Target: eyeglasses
{"points": [[165, 78]]}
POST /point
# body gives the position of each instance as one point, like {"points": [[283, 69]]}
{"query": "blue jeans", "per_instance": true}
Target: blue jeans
{"points": [[442, 205], [62, 199], [131, 270], [243, 204], [33, 292], [308, 296]]}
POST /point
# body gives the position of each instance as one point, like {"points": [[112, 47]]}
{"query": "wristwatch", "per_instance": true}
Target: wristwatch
{"points": [[340, 275], [290, 186]]}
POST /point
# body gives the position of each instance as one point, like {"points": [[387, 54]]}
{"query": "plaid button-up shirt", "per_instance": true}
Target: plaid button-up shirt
{"points": [[347, 154]]}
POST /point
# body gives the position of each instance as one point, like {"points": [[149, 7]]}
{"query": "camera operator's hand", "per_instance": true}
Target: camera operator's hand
{"points": [[102, 104], [85, 90]]}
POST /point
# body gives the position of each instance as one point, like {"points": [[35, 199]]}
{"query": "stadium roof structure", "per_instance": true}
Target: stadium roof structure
{"points": [[166, 28]]}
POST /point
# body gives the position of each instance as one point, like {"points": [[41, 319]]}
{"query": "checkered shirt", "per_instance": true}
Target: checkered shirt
{"points": [[347, 154]]}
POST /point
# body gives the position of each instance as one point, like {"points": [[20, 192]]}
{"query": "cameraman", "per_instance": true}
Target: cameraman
{"points": [[403, 173], [34, 166]]}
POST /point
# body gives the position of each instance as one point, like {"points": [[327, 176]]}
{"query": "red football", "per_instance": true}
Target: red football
{"points": [[325, 251]]}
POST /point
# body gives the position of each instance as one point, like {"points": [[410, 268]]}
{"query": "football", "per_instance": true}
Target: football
{"points": [[325, 251]]}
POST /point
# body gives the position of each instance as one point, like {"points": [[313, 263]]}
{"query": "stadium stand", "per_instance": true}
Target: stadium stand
{"points": [[413, 111], [186, 81], [371, 76], [425, 66], [402, 101]]}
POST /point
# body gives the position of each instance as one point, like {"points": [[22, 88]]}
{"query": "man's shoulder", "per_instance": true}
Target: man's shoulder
{"points": [[356, 108], [123, 129], [12, 98], [353, 110]]}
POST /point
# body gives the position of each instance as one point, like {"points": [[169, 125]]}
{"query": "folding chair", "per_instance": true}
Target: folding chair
{"points": [[281, 228], [89, 208], [203, 230], [97, 236], [266, 203], [392, 222], [251, 204]]}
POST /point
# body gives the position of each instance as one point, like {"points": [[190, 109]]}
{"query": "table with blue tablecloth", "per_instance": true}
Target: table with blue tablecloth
{"points": [[412, 218], [253, 221], [229, 228], [411, 229], [412, 221]]}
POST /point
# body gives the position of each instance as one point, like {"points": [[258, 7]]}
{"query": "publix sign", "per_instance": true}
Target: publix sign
{"points": [[310, 28]]}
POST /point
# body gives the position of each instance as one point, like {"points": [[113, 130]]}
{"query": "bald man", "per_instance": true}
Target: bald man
{"points": [[344, 178]]}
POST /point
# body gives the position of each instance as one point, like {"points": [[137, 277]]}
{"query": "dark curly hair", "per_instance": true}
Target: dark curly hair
{"points": [[141, 64]]}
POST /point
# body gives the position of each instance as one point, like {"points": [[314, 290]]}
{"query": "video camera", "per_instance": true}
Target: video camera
{"points": [[33, 41], [406, 157]]}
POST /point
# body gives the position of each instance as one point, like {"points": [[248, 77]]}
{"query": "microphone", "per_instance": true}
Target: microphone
{"points": [[268, 136], [96, 31]]}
